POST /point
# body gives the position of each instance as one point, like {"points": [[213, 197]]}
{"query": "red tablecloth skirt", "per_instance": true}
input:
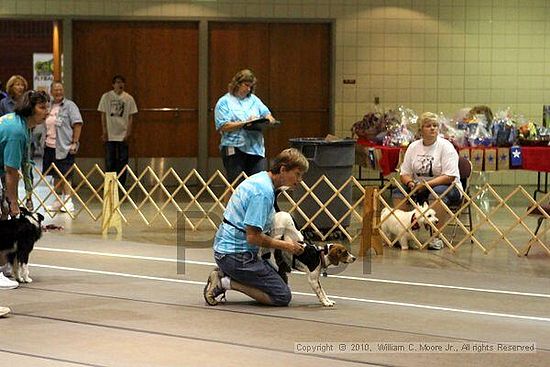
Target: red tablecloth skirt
{"points": [[536, 158], [389, 159]]}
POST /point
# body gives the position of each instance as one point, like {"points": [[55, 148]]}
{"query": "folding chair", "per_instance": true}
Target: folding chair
{"points": [[465, 169], [541, 218]]}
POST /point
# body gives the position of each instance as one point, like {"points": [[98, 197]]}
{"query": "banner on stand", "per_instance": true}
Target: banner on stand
{"points": [[42, 66]]}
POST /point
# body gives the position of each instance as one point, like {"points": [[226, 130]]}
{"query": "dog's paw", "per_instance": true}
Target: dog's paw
{"points": [[24, 279], [404, 248], [328, 303]]}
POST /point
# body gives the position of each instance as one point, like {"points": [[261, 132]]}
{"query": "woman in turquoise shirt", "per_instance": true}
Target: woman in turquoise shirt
{"points": [[30, 110], [242, 150]]}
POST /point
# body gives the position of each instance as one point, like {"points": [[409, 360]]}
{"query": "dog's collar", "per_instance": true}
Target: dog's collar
{"points": [[416, 225], [30, 217]]}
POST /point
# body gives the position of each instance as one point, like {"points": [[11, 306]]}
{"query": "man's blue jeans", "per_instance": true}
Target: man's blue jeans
{"points": [[247, 268]]}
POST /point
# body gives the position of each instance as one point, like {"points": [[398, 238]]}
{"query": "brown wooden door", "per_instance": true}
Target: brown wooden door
{"points": [[233, 47], [292, 64], [299, 87], [19, 40], [160, 63]]}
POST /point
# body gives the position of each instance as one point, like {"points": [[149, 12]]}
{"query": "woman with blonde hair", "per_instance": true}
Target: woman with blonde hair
{"points": [[15, 87], [431, 161]]}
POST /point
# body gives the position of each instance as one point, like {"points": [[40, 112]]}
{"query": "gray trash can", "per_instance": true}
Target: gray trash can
{"points": [[335, 160]]}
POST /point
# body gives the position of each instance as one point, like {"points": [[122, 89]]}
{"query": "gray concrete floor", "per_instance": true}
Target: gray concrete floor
{"points": [[105, 302], [97, 302]]}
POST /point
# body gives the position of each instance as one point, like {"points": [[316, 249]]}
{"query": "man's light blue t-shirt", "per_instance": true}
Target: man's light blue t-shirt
{"points": [[14, 135], [250, 205], [231, 109]]}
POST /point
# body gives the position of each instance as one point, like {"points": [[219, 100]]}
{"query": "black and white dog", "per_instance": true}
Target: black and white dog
{"points": [[17, 239], [313, 261]]}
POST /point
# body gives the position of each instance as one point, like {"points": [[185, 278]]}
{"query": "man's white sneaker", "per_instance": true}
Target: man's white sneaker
{"points": [[6, 283], [69, 206], [4, 311]]}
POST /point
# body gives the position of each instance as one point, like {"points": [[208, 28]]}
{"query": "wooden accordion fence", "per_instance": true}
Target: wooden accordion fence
{"points": [[170, 197], [497, 219], [155, 199]]}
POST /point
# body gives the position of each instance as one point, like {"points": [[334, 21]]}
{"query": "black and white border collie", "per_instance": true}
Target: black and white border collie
{"points": [[17, 238], [313, 261]]}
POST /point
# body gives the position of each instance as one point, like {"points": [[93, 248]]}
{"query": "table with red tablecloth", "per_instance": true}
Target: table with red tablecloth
{"points": [[537, 159], [388, 159], [533, 158], [487, 159], [499, 158]]}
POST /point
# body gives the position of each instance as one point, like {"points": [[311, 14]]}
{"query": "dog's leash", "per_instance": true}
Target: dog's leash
{"points": [[234, 226]]}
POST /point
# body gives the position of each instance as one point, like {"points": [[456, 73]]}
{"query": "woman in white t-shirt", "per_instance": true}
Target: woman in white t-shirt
{"points": [[431, 161]]}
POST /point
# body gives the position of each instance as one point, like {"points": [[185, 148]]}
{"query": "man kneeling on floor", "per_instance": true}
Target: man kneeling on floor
{"points": [[247, 217]]}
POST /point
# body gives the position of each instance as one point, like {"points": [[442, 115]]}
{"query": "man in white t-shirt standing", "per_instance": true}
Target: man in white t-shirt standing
{"points": [[117, 109]]}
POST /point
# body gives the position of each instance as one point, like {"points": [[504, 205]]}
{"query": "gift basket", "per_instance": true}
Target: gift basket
{"points": [[478, 127], [504, 128], [369, 126], [531, 135], [398, 124], [450, 131], [478, 135], [482, 115]]}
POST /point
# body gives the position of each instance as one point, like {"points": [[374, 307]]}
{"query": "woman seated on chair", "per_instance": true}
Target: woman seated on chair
{"points": [[431, 161]]}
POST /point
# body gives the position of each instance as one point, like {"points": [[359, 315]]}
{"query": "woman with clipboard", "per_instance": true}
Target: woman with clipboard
{"points": [[240, 116]]}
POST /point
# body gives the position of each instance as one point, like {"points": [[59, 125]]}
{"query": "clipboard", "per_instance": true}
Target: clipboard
{"points": [[260, 124]]}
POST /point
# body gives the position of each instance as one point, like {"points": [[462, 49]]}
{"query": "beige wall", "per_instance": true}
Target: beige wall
{"points": [[424, 54]]}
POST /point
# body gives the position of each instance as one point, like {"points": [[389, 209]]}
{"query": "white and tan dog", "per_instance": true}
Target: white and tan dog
{"points": [[394, 225], [313, 261]]}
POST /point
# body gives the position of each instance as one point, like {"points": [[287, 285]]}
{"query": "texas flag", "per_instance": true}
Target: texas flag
{"points": [[516, 159]]}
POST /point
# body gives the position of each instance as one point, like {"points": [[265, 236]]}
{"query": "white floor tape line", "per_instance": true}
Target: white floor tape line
{"points": [[346, 277], [353, 299]]}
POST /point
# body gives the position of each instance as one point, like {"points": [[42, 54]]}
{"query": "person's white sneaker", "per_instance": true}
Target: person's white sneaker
{"points": [[7, 269], [4, 311], [55, 207], [6, 283], [436, 244], [69, 206]]}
